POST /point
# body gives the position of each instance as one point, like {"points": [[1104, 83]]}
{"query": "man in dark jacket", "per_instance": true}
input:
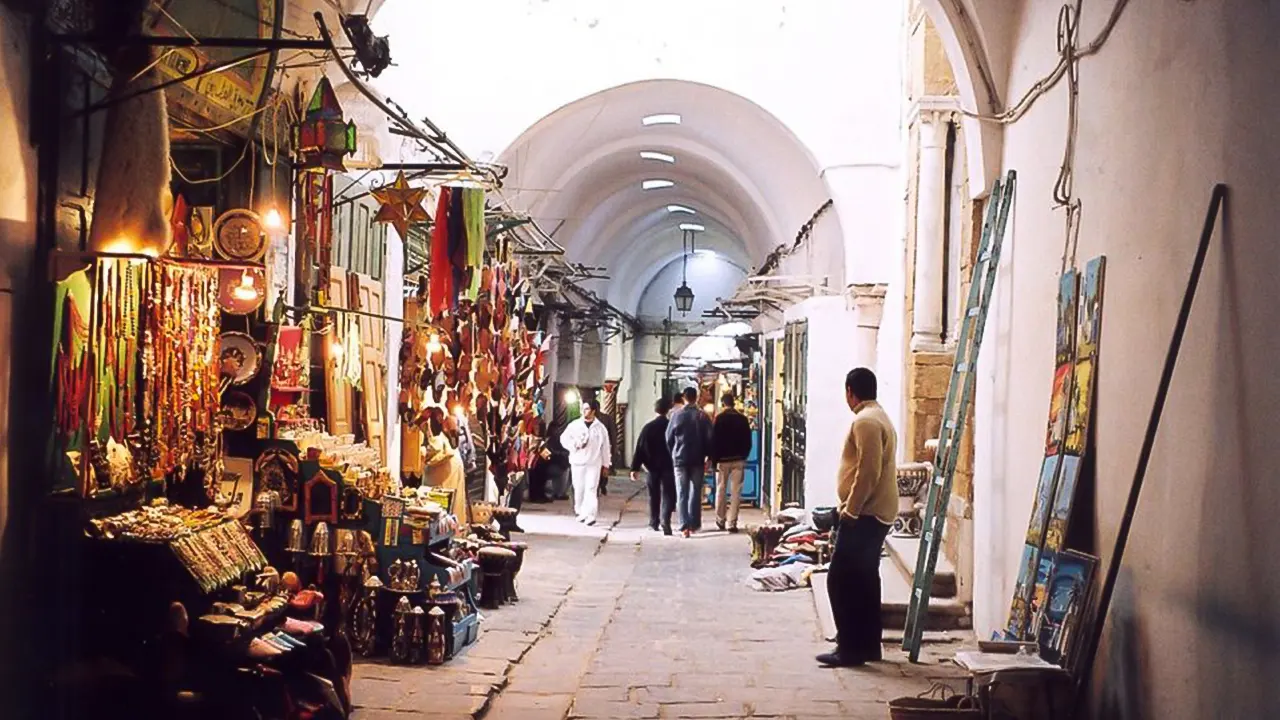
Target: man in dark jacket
{"points": [[689, 440], [730, 446], [652, 455]]}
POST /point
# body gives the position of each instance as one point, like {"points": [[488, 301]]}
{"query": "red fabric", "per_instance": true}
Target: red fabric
{"points": [[441, 275]]}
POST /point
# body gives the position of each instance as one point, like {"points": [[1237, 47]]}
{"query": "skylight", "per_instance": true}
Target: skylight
{"points": [[656, 184], [694, 227], [661, 119], [660, 157], [681, 209]]}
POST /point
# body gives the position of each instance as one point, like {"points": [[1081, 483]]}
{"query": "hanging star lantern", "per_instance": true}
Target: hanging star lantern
{"points": [[401, 205]]}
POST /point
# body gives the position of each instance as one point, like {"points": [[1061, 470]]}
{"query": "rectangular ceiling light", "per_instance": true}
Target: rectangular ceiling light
{"points": [[656, 184], [695, 227], [661, 119], [660, 157], [681, 209]]}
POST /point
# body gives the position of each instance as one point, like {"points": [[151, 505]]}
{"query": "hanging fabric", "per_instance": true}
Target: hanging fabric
{"points": [[457, 244], [441, 273], [473, 201]]}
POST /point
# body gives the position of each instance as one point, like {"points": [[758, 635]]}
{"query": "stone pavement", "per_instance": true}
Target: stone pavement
{"points": [[619, 622]]}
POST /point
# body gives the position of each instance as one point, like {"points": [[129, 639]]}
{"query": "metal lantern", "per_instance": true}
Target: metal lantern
{"points": [[296, 542], [323, 138], [320, 540], [684, 298]]}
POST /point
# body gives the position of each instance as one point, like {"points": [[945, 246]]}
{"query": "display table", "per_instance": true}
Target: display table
{"points": [[984, 663]]}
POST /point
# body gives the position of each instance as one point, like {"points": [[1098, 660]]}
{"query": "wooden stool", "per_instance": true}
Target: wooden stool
{"points": [[516, 563], [493, 564]]}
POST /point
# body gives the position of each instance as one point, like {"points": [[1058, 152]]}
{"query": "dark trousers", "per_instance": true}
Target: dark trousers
{"points": [[853, 584], [662, 500]]}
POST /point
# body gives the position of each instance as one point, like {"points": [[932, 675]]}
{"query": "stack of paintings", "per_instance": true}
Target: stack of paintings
{"points": [[1070, 409]]}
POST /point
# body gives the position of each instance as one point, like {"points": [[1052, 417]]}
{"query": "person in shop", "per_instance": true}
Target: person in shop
{"points": [[444, 466], [589, 456], [653, 456], [868, 493], [689, 440], [730, 446]]}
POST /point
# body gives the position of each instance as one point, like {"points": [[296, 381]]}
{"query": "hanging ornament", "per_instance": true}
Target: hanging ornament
{"points": [[401, 205], [322, 138]]}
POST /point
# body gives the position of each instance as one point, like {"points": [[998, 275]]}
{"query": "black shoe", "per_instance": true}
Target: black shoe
{"points": [[835, 659], [733, 528], [719, 524], [653, 528], [666, 531]]}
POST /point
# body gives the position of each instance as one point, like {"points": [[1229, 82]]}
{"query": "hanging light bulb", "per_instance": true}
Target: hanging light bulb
{"points": [[246, 290], [459, 413], [571, 397], [433, 343], [273, 220], [336, 349]]}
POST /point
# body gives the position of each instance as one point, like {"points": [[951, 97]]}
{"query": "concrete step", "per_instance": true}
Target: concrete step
{"points": [[905, 550], [946, 615]]}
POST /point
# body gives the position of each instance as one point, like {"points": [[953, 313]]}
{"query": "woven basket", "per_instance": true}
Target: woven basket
{"points": [[957, 707]]}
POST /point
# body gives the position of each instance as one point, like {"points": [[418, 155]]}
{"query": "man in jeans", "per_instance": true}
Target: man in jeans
{"points": [[868, 492], [689, 439], [652, 455], [730, 446]]}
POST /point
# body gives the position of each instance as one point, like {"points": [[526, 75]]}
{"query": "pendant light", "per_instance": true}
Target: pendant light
{"points": [[684, 294]]}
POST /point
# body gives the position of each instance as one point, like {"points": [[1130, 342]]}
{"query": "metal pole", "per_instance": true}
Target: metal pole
{"points": [[216, 67], [183, 41], [1148, 442]]}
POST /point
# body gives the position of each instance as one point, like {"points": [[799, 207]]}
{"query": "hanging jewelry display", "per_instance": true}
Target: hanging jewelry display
{"points": [[180, 341], [238, 236]]}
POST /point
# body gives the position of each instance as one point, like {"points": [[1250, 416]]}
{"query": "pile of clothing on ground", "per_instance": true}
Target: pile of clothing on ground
{"points": [[786, 551]]}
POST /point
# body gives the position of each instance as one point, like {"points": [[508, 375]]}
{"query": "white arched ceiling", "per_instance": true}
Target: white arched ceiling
{"points": [[709, 276], [579, 171]]}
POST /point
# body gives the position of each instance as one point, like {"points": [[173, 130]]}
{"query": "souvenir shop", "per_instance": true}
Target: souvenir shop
{"points": [[233, 526]]}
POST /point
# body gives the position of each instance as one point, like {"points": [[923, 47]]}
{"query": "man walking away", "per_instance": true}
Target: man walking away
{"points": [[589, 453], [689, 439], [868, 492], [730, 446], [652, 455]]}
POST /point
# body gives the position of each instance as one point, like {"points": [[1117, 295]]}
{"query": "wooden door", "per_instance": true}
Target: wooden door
{"points": [[368, 299], [337, 391]]}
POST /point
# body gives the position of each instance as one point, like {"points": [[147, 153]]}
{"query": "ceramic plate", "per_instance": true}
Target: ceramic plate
{"points": [[238, 357]]}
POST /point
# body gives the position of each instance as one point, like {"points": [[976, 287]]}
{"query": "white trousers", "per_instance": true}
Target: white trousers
{"points": [[586, 490]]}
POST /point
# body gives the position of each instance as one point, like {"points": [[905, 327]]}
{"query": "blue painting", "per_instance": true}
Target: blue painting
{"points": [[1044, 500], [1067, 597]]}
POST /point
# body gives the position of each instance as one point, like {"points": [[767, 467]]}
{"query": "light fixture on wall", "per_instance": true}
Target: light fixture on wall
{"points": [[656, 184], [692, 227], [681, 209], [684, 294], [660, 157], [661, 119]]}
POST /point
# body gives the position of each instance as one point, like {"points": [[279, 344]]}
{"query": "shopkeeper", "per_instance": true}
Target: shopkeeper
{"points": [[444, 466]]}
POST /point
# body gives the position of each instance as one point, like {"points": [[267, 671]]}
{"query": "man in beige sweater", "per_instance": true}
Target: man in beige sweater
{"points": [[868, 492]]}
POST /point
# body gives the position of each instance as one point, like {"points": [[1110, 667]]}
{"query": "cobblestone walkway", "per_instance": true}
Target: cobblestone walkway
{"points": [[620, 622]]}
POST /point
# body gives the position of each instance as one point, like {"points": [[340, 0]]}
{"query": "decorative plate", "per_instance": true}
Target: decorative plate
{"points": [[233, 295], [238, 357], [238, 236], [238, 411]]}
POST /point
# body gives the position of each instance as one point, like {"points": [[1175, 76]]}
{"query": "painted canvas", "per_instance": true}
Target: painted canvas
{"points": [[1018, 614], [1081, 404], [1060, 515], [1043, 501], [1067, 600], [1090, 325], [1068, 298], [1044, 571], [1059, 409]]}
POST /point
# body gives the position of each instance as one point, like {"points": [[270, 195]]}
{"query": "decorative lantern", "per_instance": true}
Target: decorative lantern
{"points": [[323, 138], [436, 640], [684, 298]]}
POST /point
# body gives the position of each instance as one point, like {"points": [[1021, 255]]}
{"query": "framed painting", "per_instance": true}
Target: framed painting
{"points": [[1067, 599], [1063, 498], [1044, 499], [1018, 611], [320, 499]]}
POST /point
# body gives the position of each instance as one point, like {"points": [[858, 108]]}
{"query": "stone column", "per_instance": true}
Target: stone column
{"points": [[867, 303], [926, 323]]}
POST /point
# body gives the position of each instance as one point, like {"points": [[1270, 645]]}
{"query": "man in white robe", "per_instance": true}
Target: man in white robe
{"points": [[589, 453]]}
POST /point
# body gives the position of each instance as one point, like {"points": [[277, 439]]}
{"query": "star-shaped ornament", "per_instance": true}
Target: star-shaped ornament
{"points": [[401, 205]]}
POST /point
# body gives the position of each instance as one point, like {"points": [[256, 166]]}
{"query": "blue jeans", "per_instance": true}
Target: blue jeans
{"points": [[689, 482]]}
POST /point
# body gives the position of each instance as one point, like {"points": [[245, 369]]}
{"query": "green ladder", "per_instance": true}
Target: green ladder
{"points": [[956, 409]]}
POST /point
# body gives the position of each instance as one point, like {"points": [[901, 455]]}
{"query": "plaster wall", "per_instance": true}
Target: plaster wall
{"points": [[1182, 96], [831, 327], [17, 216]]}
